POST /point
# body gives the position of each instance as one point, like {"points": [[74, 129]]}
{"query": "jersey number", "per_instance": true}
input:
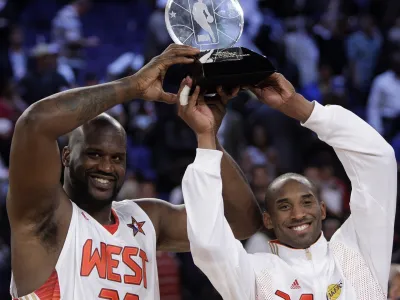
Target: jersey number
{"points": [[285, 296], [113, 295]]}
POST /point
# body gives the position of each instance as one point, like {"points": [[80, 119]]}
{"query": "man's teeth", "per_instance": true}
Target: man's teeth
{"points": [[301, 227], [102, 180]]}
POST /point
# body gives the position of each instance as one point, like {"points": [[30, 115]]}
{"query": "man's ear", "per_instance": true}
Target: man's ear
{"points": [[65, 156], [267, 220]]}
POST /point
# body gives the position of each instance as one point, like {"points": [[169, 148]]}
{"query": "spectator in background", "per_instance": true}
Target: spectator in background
{"points": [[157, 37], [332, 190], [42, 80], [9, 13], [259, 181], [302, 50], [60, 65], [363, 48], [259, 152], [67, 33], [330, 37], [231, 133], [383, 108], [11, 107], [17, 54]]}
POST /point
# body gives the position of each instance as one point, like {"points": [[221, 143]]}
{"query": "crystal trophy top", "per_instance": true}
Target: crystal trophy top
{"points": [[204, 24]]}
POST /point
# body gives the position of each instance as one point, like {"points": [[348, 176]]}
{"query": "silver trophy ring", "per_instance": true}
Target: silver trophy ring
{"points": [[204, 24]]}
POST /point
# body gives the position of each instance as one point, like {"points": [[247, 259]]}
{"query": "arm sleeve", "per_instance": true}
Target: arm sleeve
{"points": [[371, 166], [212, 243]]}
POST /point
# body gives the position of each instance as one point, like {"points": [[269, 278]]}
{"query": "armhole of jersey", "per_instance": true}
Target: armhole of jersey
{"points": [[70, 235]]}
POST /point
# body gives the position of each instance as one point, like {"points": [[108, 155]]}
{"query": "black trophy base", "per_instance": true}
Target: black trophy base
{"points": [[229, 68]]}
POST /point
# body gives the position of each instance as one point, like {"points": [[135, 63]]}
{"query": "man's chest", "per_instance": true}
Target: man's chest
{"points": [[305, 282], [121, 257]]}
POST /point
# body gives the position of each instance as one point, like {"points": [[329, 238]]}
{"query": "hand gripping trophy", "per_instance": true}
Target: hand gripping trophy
{"points": [[214, 26]]}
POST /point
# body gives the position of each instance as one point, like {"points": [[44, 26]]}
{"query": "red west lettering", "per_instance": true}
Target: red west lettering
{"points": [[105, 263], [90, 261]]}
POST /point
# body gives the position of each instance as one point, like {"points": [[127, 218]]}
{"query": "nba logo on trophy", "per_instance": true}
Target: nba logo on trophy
{"points": [[205, 24]]}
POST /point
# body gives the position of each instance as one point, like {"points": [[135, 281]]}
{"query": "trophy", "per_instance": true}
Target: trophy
{"points": [[214, 26]]}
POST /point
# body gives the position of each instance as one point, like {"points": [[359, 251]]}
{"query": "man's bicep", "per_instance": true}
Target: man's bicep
{"points": [[173, 232], [35, 171]]}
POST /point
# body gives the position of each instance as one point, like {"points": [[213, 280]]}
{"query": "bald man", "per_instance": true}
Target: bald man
{"points": [[74, 241]]}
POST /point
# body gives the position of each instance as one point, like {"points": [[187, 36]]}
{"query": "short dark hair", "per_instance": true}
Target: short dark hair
{"points": [[286, 177]]}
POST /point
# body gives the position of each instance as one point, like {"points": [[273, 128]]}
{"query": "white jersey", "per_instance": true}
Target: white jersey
{"points": [[115, 262], [354, 265]]}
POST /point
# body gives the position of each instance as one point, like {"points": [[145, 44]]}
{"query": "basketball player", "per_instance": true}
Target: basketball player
{"points": [[302, 265], [94, 248], [203, 17]]}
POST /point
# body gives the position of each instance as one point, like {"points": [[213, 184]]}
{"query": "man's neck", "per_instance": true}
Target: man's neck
{"points": [[102, 215]]}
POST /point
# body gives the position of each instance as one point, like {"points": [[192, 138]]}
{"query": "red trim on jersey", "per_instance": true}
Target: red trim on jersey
{"points": [[51, 289], [112, 228]]}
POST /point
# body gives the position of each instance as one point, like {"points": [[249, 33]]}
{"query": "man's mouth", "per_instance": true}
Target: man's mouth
{"points": [[102, 182], [300, 228]]}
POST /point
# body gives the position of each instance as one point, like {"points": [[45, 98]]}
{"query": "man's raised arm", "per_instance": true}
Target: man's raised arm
{"points": [[213, 246], [35, 166]]}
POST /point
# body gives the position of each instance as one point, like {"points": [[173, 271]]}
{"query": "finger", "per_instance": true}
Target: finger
{"points": [[168, 97], [184, 91], [179, 103], [193, 99], [184, 96], [175, 60], [186, 51], [182, 50]]}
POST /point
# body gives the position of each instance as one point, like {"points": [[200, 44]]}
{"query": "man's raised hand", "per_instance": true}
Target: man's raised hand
{"points": [[149, 80]]}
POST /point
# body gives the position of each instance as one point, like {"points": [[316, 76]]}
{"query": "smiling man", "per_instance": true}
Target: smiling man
{"points": [[300, 231], [302, 265]]}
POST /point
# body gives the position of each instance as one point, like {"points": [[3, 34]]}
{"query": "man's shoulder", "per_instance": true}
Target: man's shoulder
{"points": [[150, 206]]}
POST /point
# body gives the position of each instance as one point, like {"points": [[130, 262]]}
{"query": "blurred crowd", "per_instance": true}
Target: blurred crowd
{"points": [[344, 52]]}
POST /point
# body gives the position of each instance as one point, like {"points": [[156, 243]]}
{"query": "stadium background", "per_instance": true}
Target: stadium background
{"points": [[334, 51]]}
